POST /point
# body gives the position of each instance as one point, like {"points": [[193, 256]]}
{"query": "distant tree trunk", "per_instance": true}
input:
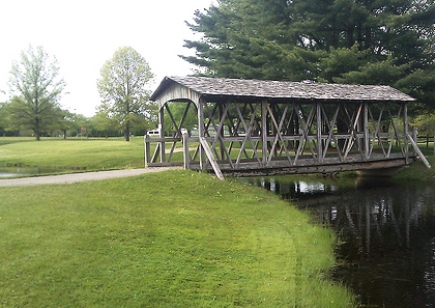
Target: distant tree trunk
{"points": [[127, 131], [36, 130]]}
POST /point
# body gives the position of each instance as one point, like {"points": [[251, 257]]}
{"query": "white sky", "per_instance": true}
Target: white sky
{"points": [[83, 34]]}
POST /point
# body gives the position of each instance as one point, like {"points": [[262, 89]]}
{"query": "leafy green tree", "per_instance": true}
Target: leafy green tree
{"points": [[348, 41], [80, 125], [65, 121], [178, 110], [104, 124], [37, 87], [425, 123], [122, 87], [3, 119]]}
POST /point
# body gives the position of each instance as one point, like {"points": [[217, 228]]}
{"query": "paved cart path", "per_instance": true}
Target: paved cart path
{"points": [[79, 177]]}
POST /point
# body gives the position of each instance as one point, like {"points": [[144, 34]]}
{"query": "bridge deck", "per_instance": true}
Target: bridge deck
{"points": [[304, 165]]}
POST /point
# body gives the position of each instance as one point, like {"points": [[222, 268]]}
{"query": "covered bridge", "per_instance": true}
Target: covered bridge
{"points": [[252, 127]]}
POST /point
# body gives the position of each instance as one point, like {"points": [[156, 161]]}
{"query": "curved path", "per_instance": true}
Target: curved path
{"points": [[79, 177]]}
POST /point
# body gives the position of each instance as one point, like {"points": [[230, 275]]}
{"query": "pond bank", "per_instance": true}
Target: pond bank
{"points": [[175, 238], [417, 171]]}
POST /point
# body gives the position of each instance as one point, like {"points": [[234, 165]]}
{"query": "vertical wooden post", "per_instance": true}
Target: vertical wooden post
{"points": [[220, 133], [186, 155], [147, 151], [366, 131], [264, 131], [434, 142], [201, 130], [319, 133], [162, 134], [405, 127]]}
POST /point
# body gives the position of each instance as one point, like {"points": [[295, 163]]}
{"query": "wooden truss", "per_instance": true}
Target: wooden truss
{"points": [[262, 137]]}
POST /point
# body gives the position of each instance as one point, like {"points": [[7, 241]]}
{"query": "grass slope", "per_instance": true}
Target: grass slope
{"points": [[418, 172], [173, 239]]}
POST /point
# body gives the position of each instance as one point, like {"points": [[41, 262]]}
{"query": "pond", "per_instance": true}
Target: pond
{"points": [[386, 229]]}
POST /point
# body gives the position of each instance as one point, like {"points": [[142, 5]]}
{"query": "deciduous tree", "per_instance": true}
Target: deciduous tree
{"points": [[123, 88], [37, 86]]}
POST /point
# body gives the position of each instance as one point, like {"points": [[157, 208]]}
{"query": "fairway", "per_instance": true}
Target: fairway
{"points": [[72, 155], [170, 239]]}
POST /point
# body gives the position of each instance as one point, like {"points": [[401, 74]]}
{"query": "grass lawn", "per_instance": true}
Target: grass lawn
{"points": [[172, 239], [72, 154]]}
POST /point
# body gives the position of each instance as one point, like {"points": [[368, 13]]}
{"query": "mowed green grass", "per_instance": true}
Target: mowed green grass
{"points": [[72, 154], [172, 239]]}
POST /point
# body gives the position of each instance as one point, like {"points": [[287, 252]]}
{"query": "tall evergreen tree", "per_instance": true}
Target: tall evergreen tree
{"points": [[349, 41]]}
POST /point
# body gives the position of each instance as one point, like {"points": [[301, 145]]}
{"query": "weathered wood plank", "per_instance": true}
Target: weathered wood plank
{"points": [[418, 151], [254, 170], [211, 159]]}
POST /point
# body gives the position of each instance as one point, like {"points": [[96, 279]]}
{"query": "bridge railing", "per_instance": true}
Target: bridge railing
{"points": [[249, 152], [293, 136]]}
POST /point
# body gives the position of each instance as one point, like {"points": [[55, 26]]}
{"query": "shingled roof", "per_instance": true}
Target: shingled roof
{"points": [[274, 90]]}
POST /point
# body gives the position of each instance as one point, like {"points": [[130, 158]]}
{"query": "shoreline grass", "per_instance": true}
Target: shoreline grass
{"points": [[173, 239], [418, 172]]}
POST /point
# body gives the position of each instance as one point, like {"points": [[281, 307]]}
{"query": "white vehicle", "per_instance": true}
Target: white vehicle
{"points": [[153, 133]]}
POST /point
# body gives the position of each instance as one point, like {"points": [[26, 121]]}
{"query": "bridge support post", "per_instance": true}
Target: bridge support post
{"points": [[162, 135], [406, 132], [147, 150], [366, 131], [319, 133], [201, 132], [418, 151], [186, 155], [264, 131], [211, 159]]}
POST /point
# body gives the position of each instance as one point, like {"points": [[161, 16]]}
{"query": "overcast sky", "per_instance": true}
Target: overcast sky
{"points": [[83, 34]]}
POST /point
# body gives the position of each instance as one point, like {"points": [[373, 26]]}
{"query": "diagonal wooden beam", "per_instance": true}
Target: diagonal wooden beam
{"points": [[211, 158], [248, 130], [331, 135], [305, 132], [278, 135]]}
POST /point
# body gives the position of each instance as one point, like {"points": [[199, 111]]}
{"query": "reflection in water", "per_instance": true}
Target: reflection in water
{"points": [[387, 233]]}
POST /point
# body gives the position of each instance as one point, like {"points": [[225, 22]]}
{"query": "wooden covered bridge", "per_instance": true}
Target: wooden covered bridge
{"points": [[253, 127]]}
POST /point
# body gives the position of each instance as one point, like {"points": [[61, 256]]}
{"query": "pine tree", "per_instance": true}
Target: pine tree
{"points": [[366, 41]]}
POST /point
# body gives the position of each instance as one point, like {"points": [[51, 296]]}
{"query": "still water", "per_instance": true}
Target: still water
{"points": [[386, 229]]}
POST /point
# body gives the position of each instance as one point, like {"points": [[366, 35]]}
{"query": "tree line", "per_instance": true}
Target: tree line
{"points": [[36, 88], [385, 42]]}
